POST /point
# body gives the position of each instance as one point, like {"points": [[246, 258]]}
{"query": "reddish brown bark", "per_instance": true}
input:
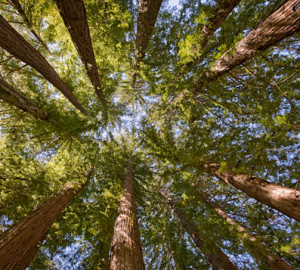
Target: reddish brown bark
{"points": [[74, 15], [285, 200], [19, 244], [220, 13], [253, 244], [281, 24], [148, 12], [21, 11], [215, 256], [17, 99], [126, 253], [15, 44]]}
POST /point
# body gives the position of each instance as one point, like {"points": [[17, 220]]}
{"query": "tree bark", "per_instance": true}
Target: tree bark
{"points": [[21, 11], [15, 44], [19, 244], [148, 12], [216, 257], [285, 200], [74, 15], [17, 99], [281, 24], [255, 247], [220, 13], [126, 253]]}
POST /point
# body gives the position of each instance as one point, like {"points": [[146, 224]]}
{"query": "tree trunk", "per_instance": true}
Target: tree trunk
{"points": [[285, 200], [220, 13], [126, 253], [255, 247], [74, 15], [15, 44], [282, 23], [17, 99], [215, 256], [21, 11], [148, 12], [19, 244]]}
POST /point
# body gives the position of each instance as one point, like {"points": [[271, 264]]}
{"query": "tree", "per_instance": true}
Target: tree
{"points": [[186, 87], [19, 244], [126, 245]]}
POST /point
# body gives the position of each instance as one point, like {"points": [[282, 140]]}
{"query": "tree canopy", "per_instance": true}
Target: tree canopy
{"points": [[201, 97]]}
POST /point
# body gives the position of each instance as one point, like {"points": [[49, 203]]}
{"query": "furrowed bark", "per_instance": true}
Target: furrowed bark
{"points": [[17, 99], [15, 44], [283, 199], [220, 13], [215, 256], [254, 246], [19, 244], [126, 252], [74, 15], [148, 12], [281, 24], [21, 11]]}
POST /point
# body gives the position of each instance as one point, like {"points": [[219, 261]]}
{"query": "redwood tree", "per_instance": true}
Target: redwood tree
{"points": [[126, 250]]}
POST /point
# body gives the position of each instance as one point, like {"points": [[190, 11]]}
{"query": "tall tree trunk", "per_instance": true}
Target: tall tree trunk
{"points": [[255, 247], [21, 11], [285, 200], [220, 13], [282, 23], [126, 253], [74, 15], [17, 99], [15, 44], [148, 12], [19, 244], [216, 257]]}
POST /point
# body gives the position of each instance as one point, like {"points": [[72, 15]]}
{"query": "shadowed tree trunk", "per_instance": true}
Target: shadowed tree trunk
{"points": [[21, 11], [215, 256], [282, 23], [148, 12], [17, 99], [285, 200], [219, 14], [126, 250], [255, 247], [15, 44], [74, 15], [19, 244]]}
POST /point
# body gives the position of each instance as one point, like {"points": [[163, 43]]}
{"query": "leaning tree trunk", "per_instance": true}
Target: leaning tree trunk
{"points": [[19, 244], [148, 12], [285, 200], [282, 23], [215, 256], [253, 244], [74, 15], [126, 250], [17, 99], [15, 44], [21, 11]]}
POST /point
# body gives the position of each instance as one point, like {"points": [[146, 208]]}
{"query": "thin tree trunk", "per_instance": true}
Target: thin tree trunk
{"points": [[126, 253], [281, 24], [285, 200], [220, 13], [17, 99], [148, 12], [15, 44], [19, 245], [216, 257], [74, 15], [21, 11], [255, 247]]}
